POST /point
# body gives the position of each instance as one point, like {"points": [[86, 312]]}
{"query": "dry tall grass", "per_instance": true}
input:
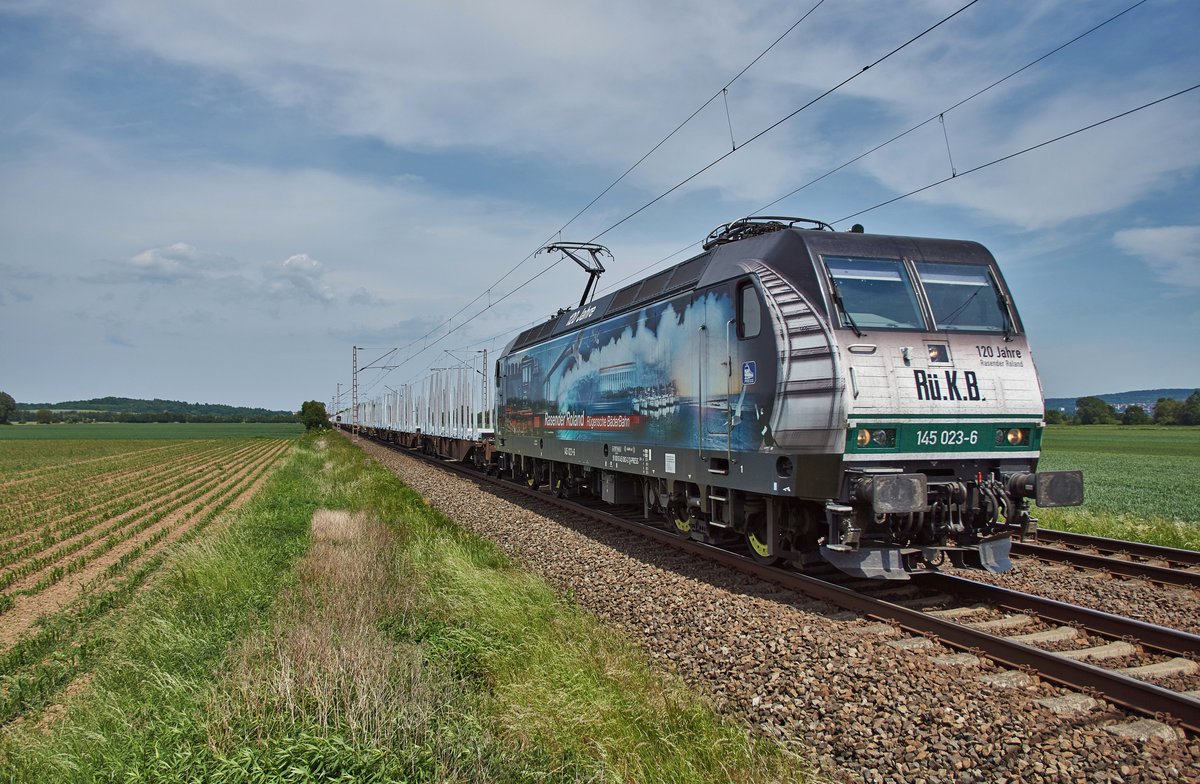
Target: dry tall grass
{"points": [[324, 661]]}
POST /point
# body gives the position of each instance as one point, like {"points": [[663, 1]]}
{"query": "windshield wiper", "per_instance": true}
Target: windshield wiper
{"points": [[837, 298], [1009, 326]]}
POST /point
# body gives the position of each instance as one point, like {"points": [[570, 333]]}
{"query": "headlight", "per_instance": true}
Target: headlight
{"points": [[1015, 436], [880, 437]]}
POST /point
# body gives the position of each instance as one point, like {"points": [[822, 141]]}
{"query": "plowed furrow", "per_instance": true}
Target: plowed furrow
{"points": [[30, 502], [39, 658], [69, 526], [22, 575], [114, 555], [49, 518], [23, 477]]}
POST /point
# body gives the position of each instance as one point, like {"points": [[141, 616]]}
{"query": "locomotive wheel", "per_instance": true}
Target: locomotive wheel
{"points": [[679, 523], [762, 549]]}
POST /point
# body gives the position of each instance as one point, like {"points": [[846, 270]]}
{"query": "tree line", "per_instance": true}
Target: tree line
{"points": [[1094, 411], [107, 410], [46, 416]]}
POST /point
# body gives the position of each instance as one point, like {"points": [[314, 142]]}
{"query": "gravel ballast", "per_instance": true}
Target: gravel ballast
{"points": [[849, 692]]}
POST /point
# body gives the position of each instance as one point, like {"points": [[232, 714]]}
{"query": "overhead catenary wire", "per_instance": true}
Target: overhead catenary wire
{"points": [[708, 166], [951, 108], [850, 162], [784, 119], [723, 91], [1018, 153], [898, 136], [1010, 156], [472, 318]]}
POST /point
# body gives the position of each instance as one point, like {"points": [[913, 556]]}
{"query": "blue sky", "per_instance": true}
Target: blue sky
{"points": [[213, 201]]}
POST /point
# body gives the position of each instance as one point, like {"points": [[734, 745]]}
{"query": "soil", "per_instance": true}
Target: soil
{"points": [[26, 610]]}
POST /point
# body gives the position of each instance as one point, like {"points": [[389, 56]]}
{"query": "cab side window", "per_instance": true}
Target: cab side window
{"points": [[749, 311]]}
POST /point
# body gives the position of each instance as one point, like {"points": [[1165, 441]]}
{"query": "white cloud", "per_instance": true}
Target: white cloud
{"points": [[10, 295], [361, 297], [1096, 172], [1171, 252], [595, 81], [599, 82], [238, 227], [26, 279], [175, 263], [394, 333], [300, 274], [220, 226]]}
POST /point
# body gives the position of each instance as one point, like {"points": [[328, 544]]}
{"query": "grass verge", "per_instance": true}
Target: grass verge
{"points": [[396, 648]]}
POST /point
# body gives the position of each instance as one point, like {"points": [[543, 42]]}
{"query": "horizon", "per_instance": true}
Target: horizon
{"points": [[20, 404]]}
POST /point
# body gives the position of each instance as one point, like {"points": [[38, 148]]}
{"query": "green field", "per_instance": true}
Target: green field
{"points": [[388, 645], [27, 447], [120, 431], [1140, 483]]}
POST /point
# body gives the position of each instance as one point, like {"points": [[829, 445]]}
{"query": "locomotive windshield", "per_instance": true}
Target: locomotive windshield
{"points": [[874, 293], [882, 294], [962, 297]]}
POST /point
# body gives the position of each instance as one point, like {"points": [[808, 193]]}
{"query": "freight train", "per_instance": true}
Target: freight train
{"points": [[864, 400]]}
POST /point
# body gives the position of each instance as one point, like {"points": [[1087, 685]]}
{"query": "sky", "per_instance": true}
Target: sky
{"points": [[214, 201]]}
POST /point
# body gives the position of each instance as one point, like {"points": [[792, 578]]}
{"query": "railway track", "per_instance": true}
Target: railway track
{"points": [[1115, 556], [1171, 651], [1019, 629]]}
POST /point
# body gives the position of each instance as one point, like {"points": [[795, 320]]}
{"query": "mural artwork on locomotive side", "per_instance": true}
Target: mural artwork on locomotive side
{"points": [[657, 375]]}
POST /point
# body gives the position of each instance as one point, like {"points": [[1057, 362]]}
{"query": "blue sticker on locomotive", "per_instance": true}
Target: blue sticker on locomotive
{"points": [[650, 375]]}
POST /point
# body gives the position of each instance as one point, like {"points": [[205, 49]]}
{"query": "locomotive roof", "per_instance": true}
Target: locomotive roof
{"points": [[729, 260]]}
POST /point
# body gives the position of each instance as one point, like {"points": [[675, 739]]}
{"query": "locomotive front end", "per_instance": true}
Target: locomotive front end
{"points": [[944, 410]]}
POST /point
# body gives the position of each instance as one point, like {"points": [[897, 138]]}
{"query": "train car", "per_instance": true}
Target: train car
{"points": [[866, 400], [444, 415]]}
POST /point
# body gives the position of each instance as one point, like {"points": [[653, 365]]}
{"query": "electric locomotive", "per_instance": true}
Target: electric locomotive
{"points": [[866, 400]]}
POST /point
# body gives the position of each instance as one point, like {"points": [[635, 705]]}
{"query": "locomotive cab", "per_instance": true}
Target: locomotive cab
{"points": [[942, 404]]}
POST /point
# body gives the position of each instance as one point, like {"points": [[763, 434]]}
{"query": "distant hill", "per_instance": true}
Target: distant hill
{"points": [[125, 409], [1146, 398]]}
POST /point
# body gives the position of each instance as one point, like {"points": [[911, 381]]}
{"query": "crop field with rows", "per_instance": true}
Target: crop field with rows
{"points": [[85, 523]]}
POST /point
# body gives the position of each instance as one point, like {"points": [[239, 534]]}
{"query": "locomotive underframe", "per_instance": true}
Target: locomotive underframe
{"points": [[868, 521]]}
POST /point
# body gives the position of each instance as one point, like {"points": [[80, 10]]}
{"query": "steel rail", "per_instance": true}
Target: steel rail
{"points": [[1158, 574], [1138, 549], [1133, 694], [1159, 638]]}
